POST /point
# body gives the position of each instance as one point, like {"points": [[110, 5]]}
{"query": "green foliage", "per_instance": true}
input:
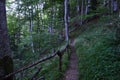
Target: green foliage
{"points": [[51, 69], [94, 4], [97, 59], [46, 14], [102, 9]]}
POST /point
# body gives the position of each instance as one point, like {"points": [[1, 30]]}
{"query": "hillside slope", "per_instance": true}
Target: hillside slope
{"points": [[98, 49]]}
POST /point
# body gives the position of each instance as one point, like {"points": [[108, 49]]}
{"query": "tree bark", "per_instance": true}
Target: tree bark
{"points": [[6, 62]]}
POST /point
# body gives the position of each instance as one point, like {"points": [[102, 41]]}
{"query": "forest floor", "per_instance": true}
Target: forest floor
{"points": [[72, 72]]}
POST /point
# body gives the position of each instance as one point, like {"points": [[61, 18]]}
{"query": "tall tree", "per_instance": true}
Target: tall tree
{"points": [[6, 63]]}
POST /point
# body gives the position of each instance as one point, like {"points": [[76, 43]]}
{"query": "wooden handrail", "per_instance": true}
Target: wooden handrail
{"points": [[59, 53]]}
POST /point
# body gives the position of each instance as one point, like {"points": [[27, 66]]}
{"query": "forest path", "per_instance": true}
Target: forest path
{"points": [[72, 72]]}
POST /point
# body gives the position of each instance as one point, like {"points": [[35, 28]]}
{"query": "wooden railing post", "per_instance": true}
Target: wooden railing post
{"points": [[68, 51], [60, 60]]}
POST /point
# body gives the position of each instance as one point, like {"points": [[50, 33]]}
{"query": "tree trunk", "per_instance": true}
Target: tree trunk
{"points": [[87, 6], [82, 12], [38, 18], [31, 30], [115, 6], [66, 19], [6, 62], [78, 7]]}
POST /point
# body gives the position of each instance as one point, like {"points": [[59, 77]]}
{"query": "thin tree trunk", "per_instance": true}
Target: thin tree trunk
{"points": [[41, 19], [82, 10], [115, 5], [31, 30], [51, 25], [112, 5], [38, 19], [78, 7], [87, 7], [66, 19]]}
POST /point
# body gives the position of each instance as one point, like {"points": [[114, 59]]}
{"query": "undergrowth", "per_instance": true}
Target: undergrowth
{"points": [[98, 50], [49, 71]]}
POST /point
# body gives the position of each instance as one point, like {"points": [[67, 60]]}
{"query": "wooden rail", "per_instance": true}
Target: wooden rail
{"points": [[59, 53]]}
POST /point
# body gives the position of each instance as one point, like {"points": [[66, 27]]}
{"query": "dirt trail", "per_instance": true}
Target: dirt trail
{"points": [[72, 72]]}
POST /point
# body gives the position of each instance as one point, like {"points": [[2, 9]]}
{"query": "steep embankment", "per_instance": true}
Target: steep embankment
{"points": [[98, 50]]}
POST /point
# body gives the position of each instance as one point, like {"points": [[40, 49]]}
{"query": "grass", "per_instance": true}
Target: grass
{"points": [[97, 57]]}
